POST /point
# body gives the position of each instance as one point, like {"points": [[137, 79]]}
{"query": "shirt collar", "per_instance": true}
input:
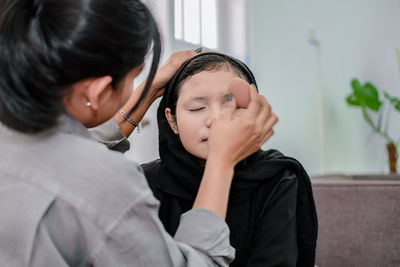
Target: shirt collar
{"points": [[70, 125]]}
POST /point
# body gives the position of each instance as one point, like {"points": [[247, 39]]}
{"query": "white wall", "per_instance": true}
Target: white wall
{"points": [[358, 38], [232, 27]]}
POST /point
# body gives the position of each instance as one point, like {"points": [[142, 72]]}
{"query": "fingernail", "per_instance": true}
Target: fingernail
{"points": [[229, 97]]}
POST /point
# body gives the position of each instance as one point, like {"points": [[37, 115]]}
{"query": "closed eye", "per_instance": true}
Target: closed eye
{"points": [[196, 109]]}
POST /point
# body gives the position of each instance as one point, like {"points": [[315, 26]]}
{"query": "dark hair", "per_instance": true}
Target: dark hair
{"points": [[48, 45], [204, 62]]}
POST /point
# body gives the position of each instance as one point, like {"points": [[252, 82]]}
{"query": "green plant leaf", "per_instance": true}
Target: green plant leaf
{"points": [[372, 91], [352, 100], [355, 84], [368, 96]]}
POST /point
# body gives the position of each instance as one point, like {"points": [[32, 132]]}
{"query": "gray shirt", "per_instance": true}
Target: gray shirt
{"points": [[66, 200]]}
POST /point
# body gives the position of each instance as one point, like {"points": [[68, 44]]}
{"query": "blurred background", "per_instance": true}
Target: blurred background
{"points": [[304, 55]]}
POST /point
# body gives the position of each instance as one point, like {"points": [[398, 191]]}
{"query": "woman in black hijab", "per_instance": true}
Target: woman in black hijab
{"points": [[271, 211]]}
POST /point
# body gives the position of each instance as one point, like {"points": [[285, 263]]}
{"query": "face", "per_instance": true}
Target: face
{"points": [[201, 98], [120, 96]]}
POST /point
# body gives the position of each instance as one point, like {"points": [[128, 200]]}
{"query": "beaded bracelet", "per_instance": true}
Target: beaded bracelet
{"points": [[126, 117]]}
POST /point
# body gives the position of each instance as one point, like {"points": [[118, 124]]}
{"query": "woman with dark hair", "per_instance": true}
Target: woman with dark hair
{"points": [[271, 212], [65, 199]]}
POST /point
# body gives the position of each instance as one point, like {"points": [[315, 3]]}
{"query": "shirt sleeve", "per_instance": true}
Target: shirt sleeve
{"points": [[109, 134], [202, 240], [276, 240]]}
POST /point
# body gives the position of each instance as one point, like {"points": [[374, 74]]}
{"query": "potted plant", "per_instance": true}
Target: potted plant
{"points": [[367, 98]]}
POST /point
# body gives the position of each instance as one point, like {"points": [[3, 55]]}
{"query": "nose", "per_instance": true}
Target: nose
{"points": [[208, 122], [210, 118]]}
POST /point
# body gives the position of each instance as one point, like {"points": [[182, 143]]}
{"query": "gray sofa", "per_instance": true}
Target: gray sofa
{"points": [[359, 221]]}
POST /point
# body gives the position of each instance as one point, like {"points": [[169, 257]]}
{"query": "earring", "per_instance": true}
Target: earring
{"points": [[88, 104]]}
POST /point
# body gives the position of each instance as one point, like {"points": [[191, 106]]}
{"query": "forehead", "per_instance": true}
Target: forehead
{"points": [[207, 82]]}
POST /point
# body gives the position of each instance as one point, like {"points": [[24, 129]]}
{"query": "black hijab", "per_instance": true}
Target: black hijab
{"points": [[186, 172]]}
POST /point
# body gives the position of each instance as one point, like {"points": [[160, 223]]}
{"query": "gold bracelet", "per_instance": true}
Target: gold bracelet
{"points": [[126, 117]]}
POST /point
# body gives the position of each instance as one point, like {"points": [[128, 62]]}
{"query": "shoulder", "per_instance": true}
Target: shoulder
{"points": [[277, 174], [283, 187], [151, 167], [277, 163]]}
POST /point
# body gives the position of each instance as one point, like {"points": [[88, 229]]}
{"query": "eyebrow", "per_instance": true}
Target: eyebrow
{"points": [[203, 99], [198, 98]]}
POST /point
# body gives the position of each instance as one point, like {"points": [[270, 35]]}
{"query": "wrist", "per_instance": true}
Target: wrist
{"points": [[215, 186], [129, 119], [220, 161]]}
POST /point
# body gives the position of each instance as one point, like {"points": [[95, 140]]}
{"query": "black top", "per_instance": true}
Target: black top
{"points": [[271, 212]]}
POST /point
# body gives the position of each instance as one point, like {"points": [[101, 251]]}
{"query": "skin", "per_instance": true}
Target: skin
{"points": [[104, 100], [201, 98]]}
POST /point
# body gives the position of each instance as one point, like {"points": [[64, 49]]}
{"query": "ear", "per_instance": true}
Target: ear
{"points": [[171, 120], [95, 88]]}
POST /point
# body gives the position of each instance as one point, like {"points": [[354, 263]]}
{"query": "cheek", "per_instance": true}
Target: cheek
{"points": [[189, 128]]}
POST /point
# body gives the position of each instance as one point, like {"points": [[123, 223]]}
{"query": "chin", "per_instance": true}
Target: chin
{"points": [[201, 157]]}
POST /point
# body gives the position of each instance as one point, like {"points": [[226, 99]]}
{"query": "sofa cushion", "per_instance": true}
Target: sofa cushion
{"points": [[359, 222]]}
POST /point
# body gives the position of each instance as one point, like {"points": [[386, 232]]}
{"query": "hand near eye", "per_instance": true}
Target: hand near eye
{"points": [[237, 133]]}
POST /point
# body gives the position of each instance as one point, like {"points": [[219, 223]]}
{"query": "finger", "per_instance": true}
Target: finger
{"points": [[268, 128], [269, 114], [267, 136], [264, 111], [265, 104], [271, 122], [256, 101], [182, 56]]}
